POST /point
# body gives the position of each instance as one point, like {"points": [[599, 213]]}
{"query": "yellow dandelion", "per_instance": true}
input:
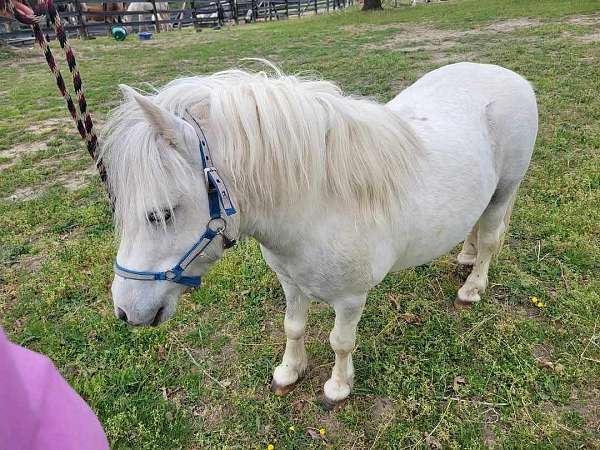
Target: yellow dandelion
{"points": [[292, 428], [322, 431], [270, 447], [534, 300], [541, 304]]}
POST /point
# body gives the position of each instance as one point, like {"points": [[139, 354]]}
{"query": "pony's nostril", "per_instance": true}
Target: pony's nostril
{"points": [[156, 320], [122, 315]]}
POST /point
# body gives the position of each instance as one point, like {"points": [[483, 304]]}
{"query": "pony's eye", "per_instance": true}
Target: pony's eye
{"points": [[155, 216]]}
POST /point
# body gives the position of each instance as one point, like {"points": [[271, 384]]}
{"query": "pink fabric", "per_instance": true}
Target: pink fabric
{"points": [[38, 409]]}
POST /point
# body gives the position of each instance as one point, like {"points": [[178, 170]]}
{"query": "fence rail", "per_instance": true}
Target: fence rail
{"points": [[97, 17]]}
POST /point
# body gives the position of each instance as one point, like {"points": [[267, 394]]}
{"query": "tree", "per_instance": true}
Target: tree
{"points": [[372, 4]]}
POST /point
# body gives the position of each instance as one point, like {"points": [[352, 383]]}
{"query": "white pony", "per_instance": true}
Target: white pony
{"points": [[145, 11], [338, 190]]}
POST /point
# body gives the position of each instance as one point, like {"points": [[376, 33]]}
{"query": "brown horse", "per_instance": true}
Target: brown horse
{"points": [[95, 12]]}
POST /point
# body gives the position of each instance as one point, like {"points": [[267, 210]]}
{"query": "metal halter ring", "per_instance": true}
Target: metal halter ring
{"points": [[170, 275], [218, 230]]}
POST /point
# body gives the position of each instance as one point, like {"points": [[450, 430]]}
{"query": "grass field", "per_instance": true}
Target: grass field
{"points": [[504, 374]]}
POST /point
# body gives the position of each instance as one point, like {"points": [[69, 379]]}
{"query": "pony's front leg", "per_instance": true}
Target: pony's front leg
{"points": [[294, 362], [342, 339]]}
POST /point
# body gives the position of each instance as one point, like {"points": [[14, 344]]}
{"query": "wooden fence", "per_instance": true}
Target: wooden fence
{"points": [[97, 17]]}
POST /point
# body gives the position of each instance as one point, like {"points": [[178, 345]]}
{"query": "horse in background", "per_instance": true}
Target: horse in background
{"points": [[146, 13], [94, 12]]}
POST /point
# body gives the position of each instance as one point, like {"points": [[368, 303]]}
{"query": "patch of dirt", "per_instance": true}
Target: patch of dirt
{"points": [[523, 311], [20, 150], [32, 263], [506, 26], [383, 409], [58, 160], [491, 416], [416, 46], [72, 181], [414, 38], [541, 351], [176, 395], [407, 31], [23, 194], [212, 414], [588, 38], [24, 61], [583, 20], [47, 125], [585, 402], [332, 426]]}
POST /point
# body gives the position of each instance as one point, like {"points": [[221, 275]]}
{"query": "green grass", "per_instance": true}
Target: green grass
{"points": [[57, 247]]}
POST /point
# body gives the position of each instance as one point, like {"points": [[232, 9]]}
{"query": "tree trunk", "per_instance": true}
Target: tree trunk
{"points": [[372, 4]]}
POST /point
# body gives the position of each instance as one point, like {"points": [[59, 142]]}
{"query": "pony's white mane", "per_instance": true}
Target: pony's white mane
{"points": [[278, 138]]}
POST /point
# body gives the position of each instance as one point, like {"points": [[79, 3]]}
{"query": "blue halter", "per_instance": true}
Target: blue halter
{"points": [[218, 197]]}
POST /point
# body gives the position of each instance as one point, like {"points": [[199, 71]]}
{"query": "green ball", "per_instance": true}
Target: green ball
{"points": [[119, 33]]}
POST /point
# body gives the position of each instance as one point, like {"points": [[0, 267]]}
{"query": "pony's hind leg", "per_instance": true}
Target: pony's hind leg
{"points": [[342, 339], [490, 231], [294, 361], [468, 254]]}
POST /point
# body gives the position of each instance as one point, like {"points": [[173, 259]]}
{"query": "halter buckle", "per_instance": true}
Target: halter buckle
{"points": [[206, 171]]}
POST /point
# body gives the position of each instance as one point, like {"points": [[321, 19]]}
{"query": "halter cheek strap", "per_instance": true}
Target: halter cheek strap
{"points": [[218, 197]]}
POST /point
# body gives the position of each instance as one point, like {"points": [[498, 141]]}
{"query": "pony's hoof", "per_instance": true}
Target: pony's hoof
{"points": [[466, 259], [285, 379], [284, 389], [281, 390], [468, 294], [335, 393], [332, 405]]}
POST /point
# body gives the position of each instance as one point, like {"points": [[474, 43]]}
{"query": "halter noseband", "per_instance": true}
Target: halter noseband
{"points": [[218, 197]]}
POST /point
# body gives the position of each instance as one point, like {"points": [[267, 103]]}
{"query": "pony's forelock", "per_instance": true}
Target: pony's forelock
{"points": [[147, 175]]}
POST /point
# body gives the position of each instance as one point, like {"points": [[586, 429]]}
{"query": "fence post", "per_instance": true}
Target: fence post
{"points": [[82, 29], [316, 8], [195, 17], [327, 5], [234, 10], [156, 19], [179, 16], [105, 9], [220, 14]]}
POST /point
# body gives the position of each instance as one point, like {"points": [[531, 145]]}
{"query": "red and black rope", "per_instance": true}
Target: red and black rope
{"points": [[79, 113], [61, 36]]}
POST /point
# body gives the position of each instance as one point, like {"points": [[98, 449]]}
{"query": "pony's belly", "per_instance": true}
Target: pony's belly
{"points": [[425, 254], [434, 237]]}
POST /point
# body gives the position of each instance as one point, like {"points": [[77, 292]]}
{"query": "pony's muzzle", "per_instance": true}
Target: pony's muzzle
{"points": [[158, 318], [144, 303]]}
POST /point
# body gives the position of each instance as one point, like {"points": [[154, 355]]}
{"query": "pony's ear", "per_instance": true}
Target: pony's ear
{"points": [[127, 91], [164, 122]]}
